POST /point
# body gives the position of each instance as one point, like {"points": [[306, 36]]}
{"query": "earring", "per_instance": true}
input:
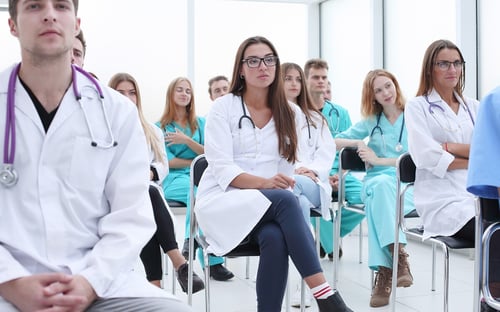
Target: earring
{"points": [[242, 77]]}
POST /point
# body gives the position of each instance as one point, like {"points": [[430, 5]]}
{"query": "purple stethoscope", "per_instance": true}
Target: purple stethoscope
{"points": [[433, 105], [8, 174]]}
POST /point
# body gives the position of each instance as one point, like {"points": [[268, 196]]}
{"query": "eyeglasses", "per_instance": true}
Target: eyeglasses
{"points": [[445, 65], [254, 62]]}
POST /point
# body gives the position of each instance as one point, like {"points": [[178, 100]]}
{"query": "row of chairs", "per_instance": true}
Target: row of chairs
{"points": [[350, 161]]}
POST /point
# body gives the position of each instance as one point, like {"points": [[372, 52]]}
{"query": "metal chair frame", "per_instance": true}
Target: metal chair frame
{"points": [[487, 210], [246, 249], [405, 174], [348, 161]]}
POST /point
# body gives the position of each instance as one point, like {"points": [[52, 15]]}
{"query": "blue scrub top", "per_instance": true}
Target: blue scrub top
{"points": [[382, 140], [484, 173], [338, 120], [182, 150]]}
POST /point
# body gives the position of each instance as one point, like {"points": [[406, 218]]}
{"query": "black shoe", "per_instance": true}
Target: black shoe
{"points": [[182, 278], [322, 252], [185, 249], [330, 255], [334, 303], [219, 273]]}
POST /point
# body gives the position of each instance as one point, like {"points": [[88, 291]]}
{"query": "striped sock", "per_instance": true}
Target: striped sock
{"points": [[322, 291]]}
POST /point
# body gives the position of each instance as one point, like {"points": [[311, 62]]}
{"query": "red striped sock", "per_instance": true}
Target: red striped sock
{"points": [[322, 291]]}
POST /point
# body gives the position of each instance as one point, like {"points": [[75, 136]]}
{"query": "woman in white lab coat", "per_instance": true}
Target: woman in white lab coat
{"points": [[251, 147], [441, 121], [317, 147], [316, 156], [164, 236]]}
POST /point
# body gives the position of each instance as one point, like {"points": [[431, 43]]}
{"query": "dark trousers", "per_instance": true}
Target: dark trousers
{"points": [[164, 237], [281, 233]]}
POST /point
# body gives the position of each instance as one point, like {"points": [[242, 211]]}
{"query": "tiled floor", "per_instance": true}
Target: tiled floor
{"points": [[238, 295]]}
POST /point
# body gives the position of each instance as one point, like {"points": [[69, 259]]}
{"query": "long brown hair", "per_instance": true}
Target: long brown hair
{"points": [[304, 100], [168, 115], [428, 63], [283, 114], [369, 106], [149, 131]]}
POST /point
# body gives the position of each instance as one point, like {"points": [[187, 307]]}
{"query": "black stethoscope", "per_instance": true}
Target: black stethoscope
{"points": [[337, 113], [8, 174], [245, 116], [399, 146], [433, 105]]}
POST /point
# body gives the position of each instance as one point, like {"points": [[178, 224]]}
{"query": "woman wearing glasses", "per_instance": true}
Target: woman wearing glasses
{"points": [[251, 146], [440, 124], [441, 121], [382, 105]]}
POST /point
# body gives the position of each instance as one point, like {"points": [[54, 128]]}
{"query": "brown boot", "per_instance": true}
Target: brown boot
{"points": [[382, 289], [405, 279]]}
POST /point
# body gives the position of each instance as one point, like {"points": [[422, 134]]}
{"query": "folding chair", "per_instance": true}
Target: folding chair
{"points": [[487, 211], [247, 248], [348, 161], [405, 174]]}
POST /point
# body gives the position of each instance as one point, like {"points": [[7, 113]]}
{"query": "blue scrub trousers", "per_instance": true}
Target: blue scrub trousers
{"points": [[379, 195]]}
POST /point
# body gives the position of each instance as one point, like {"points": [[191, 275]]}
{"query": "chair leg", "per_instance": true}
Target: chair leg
{"points": [[433, 278], [446, 256], [207, 281], [173, 277], [247, 268], [302, 296], [318, 240], [361, 242]]}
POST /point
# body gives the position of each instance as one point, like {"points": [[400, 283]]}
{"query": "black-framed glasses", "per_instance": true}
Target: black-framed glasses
{"points": [[254, 62], [445, 65]]}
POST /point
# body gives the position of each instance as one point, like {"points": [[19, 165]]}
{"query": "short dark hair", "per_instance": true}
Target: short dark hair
{"points": [[315, 63], [13, 8], [82, 40], [215, 79]]}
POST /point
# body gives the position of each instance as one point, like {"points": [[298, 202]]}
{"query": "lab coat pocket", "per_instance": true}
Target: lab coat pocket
{"points": [[92, 175]]}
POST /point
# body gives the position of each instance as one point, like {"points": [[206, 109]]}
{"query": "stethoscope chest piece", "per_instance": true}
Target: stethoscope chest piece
{"points": [[8, 175], [399, 147]]}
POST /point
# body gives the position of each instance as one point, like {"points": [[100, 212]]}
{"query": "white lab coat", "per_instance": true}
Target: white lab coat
{"points": [[162, 168], [160, 165], [317, 153], [227, 214], [441, 199], [77, 209]]}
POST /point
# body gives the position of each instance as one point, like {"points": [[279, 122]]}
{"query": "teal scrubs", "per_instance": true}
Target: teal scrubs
{"points": [[176, 184], [379, 185], [339, 120]]}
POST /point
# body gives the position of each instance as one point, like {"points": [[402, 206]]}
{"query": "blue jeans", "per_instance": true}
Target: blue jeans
{"points": [[282, 233]]}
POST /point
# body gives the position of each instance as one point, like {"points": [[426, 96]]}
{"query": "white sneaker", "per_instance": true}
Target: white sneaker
{"points": [[296, 297]]}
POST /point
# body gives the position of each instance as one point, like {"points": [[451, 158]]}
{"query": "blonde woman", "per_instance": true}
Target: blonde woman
{"points": [[165, 233]]}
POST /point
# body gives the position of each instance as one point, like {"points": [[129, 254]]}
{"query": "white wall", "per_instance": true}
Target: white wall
{"points": [[149, 39]]}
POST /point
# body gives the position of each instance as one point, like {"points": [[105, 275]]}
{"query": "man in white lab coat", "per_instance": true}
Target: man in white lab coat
{"points": [[74, 223]]}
